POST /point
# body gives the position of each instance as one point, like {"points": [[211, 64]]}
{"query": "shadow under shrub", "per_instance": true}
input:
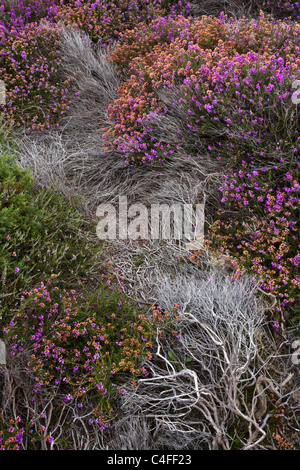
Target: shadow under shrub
{"points": [[280, 9]]}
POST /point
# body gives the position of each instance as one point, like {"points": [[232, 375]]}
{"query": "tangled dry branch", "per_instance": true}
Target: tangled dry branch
{"points": [[216, 376]]}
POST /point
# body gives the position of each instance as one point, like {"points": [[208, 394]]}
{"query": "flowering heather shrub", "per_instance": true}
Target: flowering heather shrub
{"points": [[245, 68], [96, 17], [105, 20], [11, 436], [15, 15], [29, 66], [232, 119], [260, 229], [30, 58], [158, 65], [137, 43], [82, 347]]}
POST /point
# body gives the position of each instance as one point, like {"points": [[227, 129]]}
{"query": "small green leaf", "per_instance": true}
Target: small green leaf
{"points": [[189, 359], [171, 356]]}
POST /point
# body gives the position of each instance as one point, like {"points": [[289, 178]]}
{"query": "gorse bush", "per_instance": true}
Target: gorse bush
{"points": [[41, 232], [15, 186]]}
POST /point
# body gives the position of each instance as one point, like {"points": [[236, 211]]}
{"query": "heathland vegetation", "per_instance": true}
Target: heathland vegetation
{"points": [[145, 344]]}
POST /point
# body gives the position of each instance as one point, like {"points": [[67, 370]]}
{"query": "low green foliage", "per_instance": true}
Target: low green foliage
{"points": [[41, 232]]}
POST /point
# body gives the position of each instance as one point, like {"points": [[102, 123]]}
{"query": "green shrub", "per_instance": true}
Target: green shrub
{"points": [[41, 232]]}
